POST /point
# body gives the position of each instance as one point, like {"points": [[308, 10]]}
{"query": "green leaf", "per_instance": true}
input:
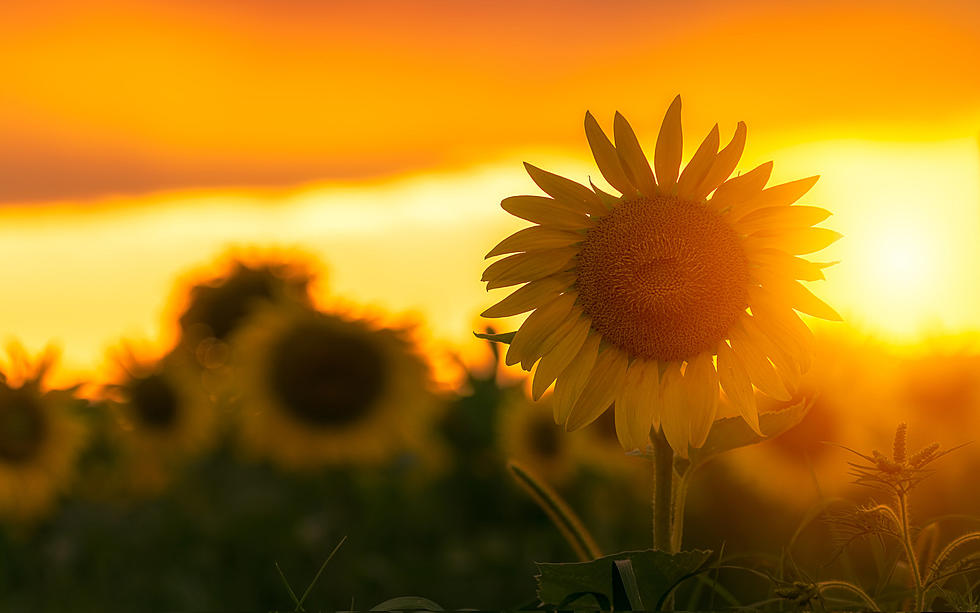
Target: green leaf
{"points": [[503, 337], [408, 603], [630, 579], [732, 432]]}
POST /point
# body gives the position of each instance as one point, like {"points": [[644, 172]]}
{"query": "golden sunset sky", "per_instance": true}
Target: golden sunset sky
{"points": [[140, 140]]}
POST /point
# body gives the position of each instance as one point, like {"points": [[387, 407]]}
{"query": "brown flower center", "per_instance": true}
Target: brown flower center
{"points": [[662, 278], [22, 425], [327, 377], [154, 402]]}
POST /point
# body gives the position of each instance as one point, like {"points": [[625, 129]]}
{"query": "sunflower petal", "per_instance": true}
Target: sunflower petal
{"points": [[531, 296], [554, 362], [780, 217], [743, 188], [696, 170], [546, 211], [566, 190], [538, 325], [803, 300], [674, 420], [606, 157], [760, 369], [701, 385], [632, 158], [734, 379], [670, 146], [637, 404], [607, 199], [784, 194], [572, 320], [523, 267], [601, 389], [793, 242], [787, 367], [723, 165], [568, 386], [787, 266], [535, 238]]}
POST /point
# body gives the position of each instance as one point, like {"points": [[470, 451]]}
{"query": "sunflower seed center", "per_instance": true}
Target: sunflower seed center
{"points": [[22, 426], [663, 278]]}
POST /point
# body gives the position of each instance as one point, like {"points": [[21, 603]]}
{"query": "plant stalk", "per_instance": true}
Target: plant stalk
{"points": [[663, 493], [903, 508]]}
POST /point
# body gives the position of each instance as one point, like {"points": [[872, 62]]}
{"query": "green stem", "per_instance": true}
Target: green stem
{"points": [[903, 508], [677, 510], [850, 587], [663, 474]]}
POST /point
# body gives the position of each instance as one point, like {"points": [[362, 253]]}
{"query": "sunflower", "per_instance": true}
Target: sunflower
{"points": [[685, 284], [526, 432], [317, 388], [219, 306], [40, 439], [164, 418]]}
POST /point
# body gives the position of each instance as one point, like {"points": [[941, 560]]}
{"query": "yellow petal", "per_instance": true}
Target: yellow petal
{"points": [[670, 146], [536, 238], [674, 420], [531, 266], [741, 189], [531, 296], [794, 242], [631, 156], [734, 379], [638, 404], [572, 320], [701, 385], [766, 304], [802, 299], [723, 165], [758, 366], [538, 326], [784, 194], [696, 170], [784, 265], [606, 157], [566, 190], [780, 217], [570, 382], [546, 212], [601, 389], [787, 367], [554, 362]]}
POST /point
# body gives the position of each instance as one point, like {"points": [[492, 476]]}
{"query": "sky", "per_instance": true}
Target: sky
{"points": [[140, 140]]}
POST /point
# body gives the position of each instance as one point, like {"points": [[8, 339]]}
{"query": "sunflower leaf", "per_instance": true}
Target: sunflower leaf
{"points": [[732, 432], [626, 580], [408, 603], [503, 337]]}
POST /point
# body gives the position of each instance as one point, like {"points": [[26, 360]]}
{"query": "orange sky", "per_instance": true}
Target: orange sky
{"points": [[141, 139]]}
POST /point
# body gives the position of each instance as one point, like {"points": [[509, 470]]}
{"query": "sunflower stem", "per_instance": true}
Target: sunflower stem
{"points": [[681, 483], [663, 493]]}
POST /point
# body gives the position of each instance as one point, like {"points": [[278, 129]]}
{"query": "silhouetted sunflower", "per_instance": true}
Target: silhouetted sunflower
{"points": [[40, 438], [218, 307], [316, 388], [654, 300], [164, 416]]}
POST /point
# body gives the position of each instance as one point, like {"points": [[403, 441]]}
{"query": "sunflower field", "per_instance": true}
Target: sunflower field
{"points": [[538, 306]]}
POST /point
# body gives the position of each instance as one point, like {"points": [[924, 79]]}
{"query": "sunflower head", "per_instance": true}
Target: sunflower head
{"points": [[218, 307], [41, 437], [316, 388], [684, 285]]}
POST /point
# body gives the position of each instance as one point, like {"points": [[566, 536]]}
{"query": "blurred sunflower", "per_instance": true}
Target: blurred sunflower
{"points": [[164, 418], [655, 299], [526, 432], [217, 307], [316, 388], [40, 438]]}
